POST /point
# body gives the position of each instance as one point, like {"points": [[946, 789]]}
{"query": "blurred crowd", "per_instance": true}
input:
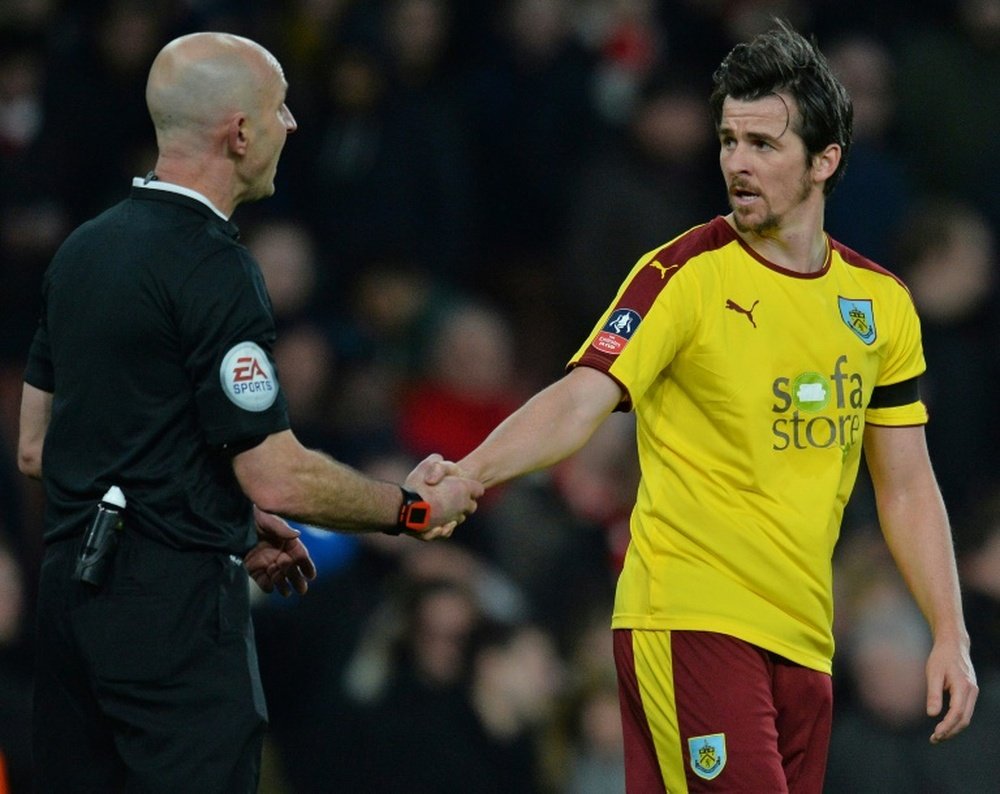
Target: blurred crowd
{"points": [[469, 183]]}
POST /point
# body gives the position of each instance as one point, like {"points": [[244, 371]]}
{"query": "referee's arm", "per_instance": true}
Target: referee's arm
{"points": [[36, 410]]}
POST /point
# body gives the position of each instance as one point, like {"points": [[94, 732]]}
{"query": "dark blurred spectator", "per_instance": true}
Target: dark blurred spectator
{"points": [[880, 734], [392, 313], [629, 41], [424, 82], [947, 255], [598, 483], [532, 116], [289, 261], [307, 364], [558, 534], [979, 565], [15, 674], [304, 31], [33, 216], [381, 173], [344, 643], [466, 705], [304, 647], [305, 353], [517, 677], [99, 97], [661, 176], [382, 341], [333, 166], [949, 98], [741, 20], [416, 698], [866, 209], [417, 35], [597, 761], [469, 384], [27, 16]]}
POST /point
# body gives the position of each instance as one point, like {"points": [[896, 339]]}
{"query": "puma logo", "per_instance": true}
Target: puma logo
{"points": [[730, 304], [663, 270]]}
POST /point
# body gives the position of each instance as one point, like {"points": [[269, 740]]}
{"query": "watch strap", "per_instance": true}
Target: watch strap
{"points": [[414, 513]]}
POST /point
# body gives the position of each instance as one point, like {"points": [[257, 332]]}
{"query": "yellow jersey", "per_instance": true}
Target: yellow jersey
{"points": [[751, 385]]}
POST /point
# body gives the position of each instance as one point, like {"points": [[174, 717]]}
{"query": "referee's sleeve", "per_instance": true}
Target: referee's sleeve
{"points": [[39, 371]]}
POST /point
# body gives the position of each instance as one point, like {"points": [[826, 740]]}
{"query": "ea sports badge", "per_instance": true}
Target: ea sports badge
{"points": [[708, 755], [247, 378]]}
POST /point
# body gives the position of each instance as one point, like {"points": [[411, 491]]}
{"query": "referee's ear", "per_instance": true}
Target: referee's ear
{"points": [[238, 138]]}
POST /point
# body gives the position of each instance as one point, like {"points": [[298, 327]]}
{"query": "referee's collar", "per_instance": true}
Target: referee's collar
{"points": [[152, 182]]}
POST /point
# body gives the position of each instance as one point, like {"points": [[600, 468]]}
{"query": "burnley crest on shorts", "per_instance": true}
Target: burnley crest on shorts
{"points": [[708, 755]]}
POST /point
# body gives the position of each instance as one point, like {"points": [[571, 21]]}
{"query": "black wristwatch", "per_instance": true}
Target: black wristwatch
{"points": [[414, 513]]}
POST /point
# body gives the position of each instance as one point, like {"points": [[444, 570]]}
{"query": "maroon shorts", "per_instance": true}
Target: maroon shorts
{"points": [[706, 712]]}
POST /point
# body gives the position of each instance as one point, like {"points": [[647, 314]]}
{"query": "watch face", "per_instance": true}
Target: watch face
{"points": [[418, 516]]}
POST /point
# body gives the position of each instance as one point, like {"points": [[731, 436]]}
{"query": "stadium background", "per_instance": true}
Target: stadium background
{"points": [[469, 182]]}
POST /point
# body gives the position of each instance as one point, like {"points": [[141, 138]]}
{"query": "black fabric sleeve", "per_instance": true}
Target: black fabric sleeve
{"points": [[905, 392], [225, 304], [234, 448], [39, 371]]}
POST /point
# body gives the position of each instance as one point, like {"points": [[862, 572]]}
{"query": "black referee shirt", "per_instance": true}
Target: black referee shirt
{"points": [[155, 341]]}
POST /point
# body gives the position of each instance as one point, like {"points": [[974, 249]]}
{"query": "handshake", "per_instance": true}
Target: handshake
{"points": [[280, 561], [450, 496]]}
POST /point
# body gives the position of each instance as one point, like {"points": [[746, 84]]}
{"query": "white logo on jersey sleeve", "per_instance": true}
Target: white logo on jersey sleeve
{"points": [[247, 378]]}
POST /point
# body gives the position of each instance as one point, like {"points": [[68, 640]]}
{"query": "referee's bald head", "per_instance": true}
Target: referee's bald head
{"points": [[199, 80]]}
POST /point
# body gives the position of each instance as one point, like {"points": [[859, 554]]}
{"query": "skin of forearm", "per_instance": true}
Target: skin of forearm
{"points": [[548, 428], [316, 489], [915, 526]]}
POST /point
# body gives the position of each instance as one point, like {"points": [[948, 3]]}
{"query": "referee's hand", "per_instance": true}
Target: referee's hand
{"points": [[279, 561]]}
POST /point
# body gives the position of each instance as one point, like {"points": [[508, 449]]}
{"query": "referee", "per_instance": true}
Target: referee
{"points": [[151, 372]]}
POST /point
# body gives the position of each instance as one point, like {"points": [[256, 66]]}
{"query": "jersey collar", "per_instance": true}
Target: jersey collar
{"points": [[152, 182]]}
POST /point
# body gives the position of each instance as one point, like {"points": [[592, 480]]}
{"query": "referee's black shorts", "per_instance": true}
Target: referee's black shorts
{"points": [[150, 685]]}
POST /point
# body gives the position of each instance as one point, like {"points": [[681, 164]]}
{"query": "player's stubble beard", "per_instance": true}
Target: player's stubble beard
{"points": [[771, 221]]}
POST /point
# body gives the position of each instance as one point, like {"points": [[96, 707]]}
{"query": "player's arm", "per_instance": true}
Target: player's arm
{"points": [[36, 410], [283, 477], [552, 425], [915, 524]]}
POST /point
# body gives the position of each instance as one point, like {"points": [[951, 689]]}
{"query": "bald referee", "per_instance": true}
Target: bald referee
{"points": [[151, 371]]}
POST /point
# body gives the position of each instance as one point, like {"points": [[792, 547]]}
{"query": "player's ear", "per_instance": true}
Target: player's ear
{"points": [[824, 164]]}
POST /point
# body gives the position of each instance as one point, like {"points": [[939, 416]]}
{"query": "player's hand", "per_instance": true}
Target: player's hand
{"points": [[280, 561], [949, 669], [451, 496], [435, 468]]}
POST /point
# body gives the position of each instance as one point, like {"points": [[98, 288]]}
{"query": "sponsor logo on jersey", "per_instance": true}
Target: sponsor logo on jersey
{"points": [[617, 331], [734, 306], [247, 378], [664, 269], [859, 316], [800, 399], [708, 755]]}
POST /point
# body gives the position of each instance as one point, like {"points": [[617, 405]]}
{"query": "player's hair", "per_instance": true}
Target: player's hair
{"points": [[783, 60]]}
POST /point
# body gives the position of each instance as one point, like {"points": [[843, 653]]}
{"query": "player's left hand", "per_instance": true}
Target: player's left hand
{"points": [[280, 560], [949, 669]]}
